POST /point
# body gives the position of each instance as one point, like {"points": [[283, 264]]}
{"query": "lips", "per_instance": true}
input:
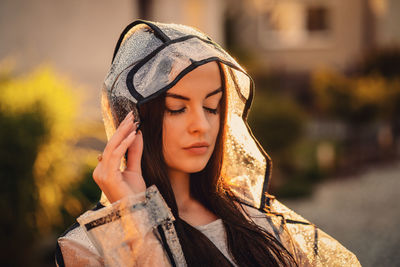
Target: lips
{"points": [[197, 148], [198, 144]]}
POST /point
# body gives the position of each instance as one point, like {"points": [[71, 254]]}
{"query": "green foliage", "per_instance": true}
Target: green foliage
{"points": [[20, 139], [371, 94], [355, 99], [277, 122], [44, 177], [363, 100]]}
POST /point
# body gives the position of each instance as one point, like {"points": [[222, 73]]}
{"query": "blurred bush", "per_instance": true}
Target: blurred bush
{"points": [[367, 100], [351, 119], [278, 122], [370, 92], [279, 125], [359, 100], [42, 173]]}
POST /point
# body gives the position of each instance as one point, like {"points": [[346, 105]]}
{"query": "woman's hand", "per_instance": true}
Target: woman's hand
{"points": [[107, 174]]}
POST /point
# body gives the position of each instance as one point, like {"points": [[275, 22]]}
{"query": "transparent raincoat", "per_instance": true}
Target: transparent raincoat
{"points": [[138, 230]]}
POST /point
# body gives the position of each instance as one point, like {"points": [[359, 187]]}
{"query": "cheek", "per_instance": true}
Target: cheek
{"points": [[215, 125]]}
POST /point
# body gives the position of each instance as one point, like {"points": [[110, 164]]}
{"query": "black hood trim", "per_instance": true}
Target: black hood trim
{"points": [[132, 72], [157, 32]]}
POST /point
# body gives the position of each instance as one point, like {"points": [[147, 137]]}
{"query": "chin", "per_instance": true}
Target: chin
{"points": [[196, 167], [183, 162], [194, 170], [190, 166]]}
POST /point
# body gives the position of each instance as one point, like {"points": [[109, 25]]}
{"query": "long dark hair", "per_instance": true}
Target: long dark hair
{"points": [[249, 244]]}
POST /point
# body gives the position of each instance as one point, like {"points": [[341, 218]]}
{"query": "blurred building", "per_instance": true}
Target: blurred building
{"points": [[300, 35], [206, 15], [78, 37]]}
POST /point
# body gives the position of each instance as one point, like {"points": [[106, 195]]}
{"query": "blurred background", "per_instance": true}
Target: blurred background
{"points": [[326, 109]]}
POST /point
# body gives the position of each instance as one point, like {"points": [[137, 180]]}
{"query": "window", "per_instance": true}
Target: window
{"points": [[317, 19], [293, 24]]}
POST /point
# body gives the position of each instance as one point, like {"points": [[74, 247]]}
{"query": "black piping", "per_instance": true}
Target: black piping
{"points": [[180, 76], [103, 220], [267, 175], [165, 245], [315, 241], [241, 96], [268, 160], [157, 32], [297, 222], [110, 217], [132, 72], [276, 231], [58, 256]]}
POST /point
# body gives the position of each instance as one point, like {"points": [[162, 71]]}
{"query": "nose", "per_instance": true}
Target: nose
{"points": [[199, 121]]}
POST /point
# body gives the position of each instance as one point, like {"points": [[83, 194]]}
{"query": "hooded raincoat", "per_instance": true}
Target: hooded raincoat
{"points": [[138, 230]]}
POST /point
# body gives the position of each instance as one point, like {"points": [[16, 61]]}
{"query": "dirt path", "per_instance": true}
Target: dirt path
{"points": [[363, 213]]}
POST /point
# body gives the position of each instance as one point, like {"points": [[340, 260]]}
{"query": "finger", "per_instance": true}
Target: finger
{"points": [[120, 134], [121, 124], [118, 137], [135, 151], [119, 152]]}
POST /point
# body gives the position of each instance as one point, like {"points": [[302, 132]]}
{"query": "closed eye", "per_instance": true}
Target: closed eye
{"points": [[179, 111], [211, 110], [175, 111]]}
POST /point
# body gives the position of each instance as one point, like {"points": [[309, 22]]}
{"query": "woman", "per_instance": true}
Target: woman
{"points": [[187, 187]]}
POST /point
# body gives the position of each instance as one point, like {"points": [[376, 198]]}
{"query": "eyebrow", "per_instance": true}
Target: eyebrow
{"points": [[187, 98]]}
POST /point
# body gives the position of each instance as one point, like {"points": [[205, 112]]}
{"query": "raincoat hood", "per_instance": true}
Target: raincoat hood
{"points": [[150, 58]]}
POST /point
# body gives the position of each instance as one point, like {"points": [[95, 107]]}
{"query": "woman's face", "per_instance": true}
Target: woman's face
{"points": [[191, 119]]}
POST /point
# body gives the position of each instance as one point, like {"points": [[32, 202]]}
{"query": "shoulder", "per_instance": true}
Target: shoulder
{"points": [[75, 241], [292, 230], [325, 250]]}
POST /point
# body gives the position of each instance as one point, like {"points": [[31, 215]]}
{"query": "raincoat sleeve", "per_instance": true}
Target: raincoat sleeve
{"points": [[125, 233]]}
